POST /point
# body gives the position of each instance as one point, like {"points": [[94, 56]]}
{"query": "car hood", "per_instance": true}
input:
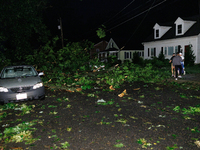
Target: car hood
{"points": [[16, 82]]}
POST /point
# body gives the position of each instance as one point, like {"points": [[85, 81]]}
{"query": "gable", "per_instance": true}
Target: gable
{"points": [[159, 31], [112, 45], [182, 26]]}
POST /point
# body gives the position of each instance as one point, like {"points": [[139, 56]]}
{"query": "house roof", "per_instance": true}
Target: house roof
{"points": [[171, 33], [101, 43]]}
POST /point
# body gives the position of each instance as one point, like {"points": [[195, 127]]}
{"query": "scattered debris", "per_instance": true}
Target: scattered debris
{"points": [[143, 106], [140, 102], [116, 65], [96, 88], [111, 88], [197, 143], [69, 91], [101, 101], [98, 68], [133, 117], [123, 93], [79, 89]]}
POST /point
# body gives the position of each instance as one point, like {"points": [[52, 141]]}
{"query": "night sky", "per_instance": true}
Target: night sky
{"points": [[128, 22]]}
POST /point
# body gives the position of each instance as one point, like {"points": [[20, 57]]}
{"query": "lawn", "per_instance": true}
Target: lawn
{"points": [[129, 115]]}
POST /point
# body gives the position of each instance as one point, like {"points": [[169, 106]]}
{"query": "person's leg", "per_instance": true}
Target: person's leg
{"points": [[181, 69], [184, 72], [180, 72], [172, 69], [182, 66], [176, 70]]}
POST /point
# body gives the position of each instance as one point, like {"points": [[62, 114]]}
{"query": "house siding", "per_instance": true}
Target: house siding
{"points": [[193, 40], [123, 54]]}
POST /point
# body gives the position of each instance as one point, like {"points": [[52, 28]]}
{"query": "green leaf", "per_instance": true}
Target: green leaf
{"points": [[119, 145], [101, 32]]}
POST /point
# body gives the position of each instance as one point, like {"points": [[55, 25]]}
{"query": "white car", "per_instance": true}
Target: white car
{"points": [[20, 83]]}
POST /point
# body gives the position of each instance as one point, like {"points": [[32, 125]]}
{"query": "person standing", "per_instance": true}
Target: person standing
{"points": [[182, 63], [177, 63], [172, 67]]}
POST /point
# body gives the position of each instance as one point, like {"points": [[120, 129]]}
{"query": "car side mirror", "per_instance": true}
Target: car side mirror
{"points": [[41, 74]]}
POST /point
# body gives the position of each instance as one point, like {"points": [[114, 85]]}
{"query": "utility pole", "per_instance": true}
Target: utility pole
{"points": [[61, 30]]}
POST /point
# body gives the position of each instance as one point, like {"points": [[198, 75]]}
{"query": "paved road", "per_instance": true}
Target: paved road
{"points": [[194, 78]]}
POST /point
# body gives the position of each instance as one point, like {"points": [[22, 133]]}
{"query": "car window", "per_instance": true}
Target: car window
{"points": [[14, 72]]}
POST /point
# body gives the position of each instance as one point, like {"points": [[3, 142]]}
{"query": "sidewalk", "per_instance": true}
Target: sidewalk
{"points": [[193, 78]]}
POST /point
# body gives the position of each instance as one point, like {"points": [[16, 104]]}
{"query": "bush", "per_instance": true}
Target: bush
{"points": [[161, 56], [112, 60], [137, 59], [157, 63], [189, 56]]}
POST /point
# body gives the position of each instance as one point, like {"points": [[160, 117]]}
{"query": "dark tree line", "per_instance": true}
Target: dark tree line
{"points": [[21, 27]]}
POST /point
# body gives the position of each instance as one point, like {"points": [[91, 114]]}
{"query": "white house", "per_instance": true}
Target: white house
{"points": [[174, 37], [128, 54], [111, 49]]}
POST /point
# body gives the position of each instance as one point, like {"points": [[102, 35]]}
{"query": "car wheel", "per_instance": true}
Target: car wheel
{"points": [[42, 98], [2, 103]]}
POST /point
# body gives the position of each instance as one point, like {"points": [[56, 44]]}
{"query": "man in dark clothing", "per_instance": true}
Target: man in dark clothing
{"points": [[172, 67], [177, 63]]}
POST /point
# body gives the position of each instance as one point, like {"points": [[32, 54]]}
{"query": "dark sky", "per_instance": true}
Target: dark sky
{"points": [[128, 22]]}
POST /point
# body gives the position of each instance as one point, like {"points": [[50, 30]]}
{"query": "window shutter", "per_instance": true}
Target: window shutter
{"points": [[148, 52], [124, 55], [154, 51], [130, 55]]}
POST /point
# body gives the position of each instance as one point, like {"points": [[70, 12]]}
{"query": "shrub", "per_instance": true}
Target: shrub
{"points": [[137, 59], [112, 60], [189, 56], [161, 56], [157, 63]]}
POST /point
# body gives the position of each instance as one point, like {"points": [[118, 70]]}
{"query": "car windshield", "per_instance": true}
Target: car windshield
{"points": [[13, 72]]}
